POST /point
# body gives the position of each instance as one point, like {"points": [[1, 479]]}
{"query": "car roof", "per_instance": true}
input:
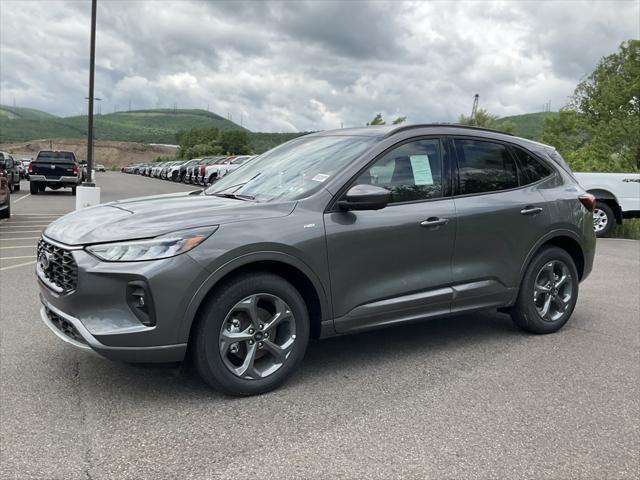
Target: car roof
{"points": [[386, 131]]}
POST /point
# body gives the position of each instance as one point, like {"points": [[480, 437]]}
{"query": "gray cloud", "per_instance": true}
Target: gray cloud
{"points": [[308, 65]]}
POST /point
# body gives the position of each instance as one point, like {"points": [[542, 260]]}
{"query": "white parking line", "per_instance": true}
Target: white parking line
{"points": [[22, 198], [20, 231], [15, 258], [2, 269], [24, 226], [37, 214], [21, 238], [19, 246]]}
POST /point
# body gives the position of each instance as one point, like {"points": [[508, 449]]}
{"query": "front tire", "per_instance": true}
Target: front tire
{"points": [[548, 292], [603, 219], [252, 334]]}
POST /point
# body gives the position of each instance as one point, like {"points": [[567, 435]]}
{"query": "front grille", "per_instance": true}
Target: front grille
{"points": [[65, 326], [57, 266]]}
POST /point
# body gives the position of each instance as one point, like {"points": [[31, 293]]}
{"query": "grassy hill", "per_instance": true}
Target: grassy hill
{"points": [[21, 113], [528, 125], [145, 126]]}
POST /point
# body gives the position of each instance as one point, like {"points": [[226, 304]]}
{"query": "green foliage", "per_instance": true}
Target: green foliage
{"points": [[528, 125], [202, 142], [630, 228], [485, 119], [234, 142], [378, 120], [260, 142], [600, 128]]}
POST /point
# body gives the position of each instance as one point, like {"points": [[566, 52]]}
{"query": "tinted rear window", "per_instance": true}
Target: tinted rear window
{"points": [[62, 157], [484, 167]]}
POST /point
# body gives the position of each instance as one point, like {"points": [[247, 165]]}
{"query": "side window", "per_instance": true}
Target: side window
{"points": [[411, 171], [533, 168], [484, 167]]}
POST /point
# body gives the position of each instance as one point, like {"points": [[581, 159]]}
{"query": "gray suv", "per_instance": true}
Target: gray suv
{"points": [[331, 233]]}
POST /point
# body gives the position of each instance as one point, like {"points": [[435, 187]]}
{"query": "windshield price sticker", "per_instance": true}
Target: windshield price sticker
{"points": [[320, 177]]}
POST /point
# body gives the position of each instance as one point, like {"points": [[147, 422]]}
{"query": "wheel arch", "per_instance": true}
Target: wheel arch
{"points": [[565, 239], [604, 195], [286, 266]]}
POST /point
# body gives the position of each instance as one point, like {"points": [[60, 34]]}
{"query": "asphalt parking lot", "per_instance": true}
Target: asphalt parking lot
{"points": [[464, 397]]}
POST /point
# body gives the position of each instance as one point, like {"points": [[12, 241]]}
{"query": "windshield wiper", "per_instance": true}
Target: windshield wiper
{"points": [[234, 195]]}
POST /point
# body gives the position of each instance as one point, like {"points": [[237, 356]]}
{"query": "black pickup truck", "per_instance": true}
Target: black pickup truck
{"points": [[54, 169]]}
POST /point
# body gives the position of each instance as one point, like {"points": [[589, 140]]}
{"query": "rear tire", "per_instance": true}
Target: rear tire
{"points": [[214, 366], [541, 286], [33, 188], [16, 188], [603, 219], [73, 191]]}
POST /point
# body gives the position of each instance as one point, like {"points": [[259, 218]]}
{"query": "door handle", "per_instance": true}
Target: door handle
{"points": [[529, 210], [434, 222]]}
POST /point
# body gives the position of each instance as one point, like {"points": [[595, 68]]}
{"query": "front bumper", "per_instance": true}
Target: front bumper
{"points": [[72, 331], [100, 310]]}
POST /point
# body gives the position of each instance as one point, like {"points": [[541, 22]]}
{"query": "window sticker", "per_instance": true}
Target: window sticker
{"points": [[421, 169], [320, 177]]}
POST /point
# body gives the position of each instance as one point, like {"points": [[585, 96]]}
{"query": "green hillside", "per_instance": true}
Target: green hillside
{"points": [[146, 126], [528, 125], [23, 113]]}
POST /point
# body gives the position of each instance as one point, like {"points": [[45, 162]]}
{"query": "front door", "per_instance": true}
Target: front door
{"points": [[394, 264]]}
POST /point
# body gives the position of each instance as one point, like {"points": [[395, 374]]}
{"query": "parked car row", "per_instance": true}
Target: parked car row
{"points": [[198, 171]]}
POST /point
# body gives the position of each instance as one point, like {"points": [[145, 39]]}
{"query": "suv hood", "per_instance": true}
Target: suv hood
{"points": [[147, 217]]}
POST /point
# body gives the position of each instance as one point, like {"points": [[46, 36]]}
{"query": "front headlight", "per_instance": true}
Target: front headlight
{"points": [[164, 246]]}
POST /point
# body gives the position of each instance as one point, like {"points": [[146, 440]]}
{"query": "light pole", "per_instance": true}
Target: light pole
{"points": [[88, 194], [92, 67]]}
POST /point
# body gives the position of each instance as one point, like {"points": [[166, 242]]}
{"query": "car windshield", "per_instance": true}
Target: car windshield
{"points": [[293, 170]]}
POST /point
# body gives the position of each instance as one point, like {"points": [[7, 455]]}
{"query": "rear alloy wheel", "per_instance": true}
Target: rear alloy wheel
{"points": [[603, 219], [253, 334], [548, 293]]}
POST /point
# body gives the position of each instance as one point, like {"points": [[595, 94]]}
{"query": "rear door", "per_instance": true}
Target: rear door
{"points": [[500, 215], [394, 264]]}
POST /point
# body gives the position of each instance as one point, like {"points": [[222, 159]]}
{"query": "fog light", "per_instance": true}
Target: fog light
{"points": [[140, 302]]}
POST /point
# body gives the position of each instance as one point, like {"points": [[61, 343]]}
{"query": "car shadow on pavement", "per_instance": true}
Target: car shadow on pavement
{"points": [[338, 356]]}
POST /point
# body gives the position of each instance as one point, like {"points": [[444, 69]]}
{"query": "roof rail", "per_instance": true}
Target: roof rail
{"points": [[454, 125]]}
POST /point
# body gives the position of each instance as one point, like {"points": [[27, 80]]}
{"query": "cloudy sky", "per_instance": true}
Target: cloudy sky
{"points": [[308, 65]]}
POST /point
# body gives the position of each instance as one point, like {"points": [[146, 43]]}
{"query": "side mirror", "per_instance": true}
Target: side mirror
{"points": [[365, 197]]}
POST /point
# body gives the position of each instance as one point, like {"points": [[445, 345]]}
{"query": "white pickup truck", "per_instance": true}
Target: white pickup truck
{"points": [[618, 197]]}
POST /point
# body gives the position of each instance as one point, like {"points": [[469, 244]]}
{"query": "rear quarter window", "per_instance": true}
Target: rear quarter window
{"points": [[534, 170]]}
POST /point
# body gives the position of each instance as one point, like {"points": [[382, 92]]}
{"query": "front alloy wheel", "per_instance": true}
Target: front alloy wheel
{"points": [[257, 336], [251, 334]]}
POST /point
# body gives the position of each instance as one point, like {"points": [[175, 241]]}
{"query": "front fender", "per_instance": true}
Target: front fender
{"points": [[239, 262]]}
